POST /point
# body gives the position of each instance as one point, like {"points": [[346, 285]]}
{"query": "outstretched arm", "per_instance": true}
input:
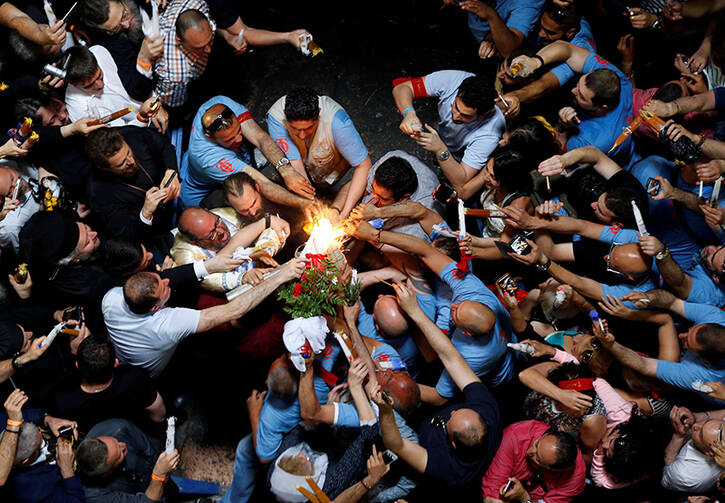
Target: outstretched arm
{"points": [[408, 209]]}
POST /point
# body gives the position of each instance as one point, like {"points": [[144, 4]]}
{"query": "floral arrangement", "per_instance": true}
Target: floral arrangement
{"points": [[326, 284]]}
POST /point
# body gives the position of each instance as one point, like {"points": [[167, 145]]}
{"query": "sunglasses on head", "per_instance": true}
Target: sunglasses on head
{"points": [[220, 121]]}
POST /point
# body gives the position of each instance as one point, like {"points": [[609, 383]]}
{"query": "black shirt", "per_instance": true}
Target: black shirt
{"points": [[443, 464]]}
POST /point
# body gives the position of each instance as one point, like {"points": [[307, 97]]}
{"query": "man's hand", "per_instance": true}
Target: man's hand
{"points": [[640, 19], [511, 108], [174, 188], [254, 276], [553, 165], [549, 208], [34, 352], [466, 244], [660, 108], [293, 37], [65, 457], [54, 424], [83, 333], [11, 149], [625, 46], [476, 7], [672, 10], [429, 140], [676, 131], [166, 463], [411, 124], [23, 290], [50, 83], [568, 117], [540, 348], [682, 420], [82, 127], [280, 226], [151, 49], [381, 398], [335, 394], [365, 211], [154, 196], [509, 301], [405, 293], [518, 218], [698, 61], [54, 35], [639, 299], [14, 404], [604, 336], [161, 120], [360, 229], [650, 245], [710, 171], [351, 313], [516, 493], [170, 264], [614, 307], [293, 269], [376, 468], [714, 217], [695, 83], [357, 373], [487, 49], [666, 189], [531, 258], [222, 262], [527, 66], [574, 400], [255, 402], [297, 183]]}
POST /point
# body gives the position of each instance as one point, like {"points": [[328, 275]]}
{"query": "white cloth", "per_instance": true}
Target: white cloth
{"points": [[298, 332], [13, 222], [284, 484], [148, 340], [111, 98], [692, 472]]}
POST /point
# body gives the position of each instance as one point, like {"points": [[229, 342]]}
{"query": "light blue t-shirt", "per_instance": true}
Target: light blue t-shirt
{"points": [[603, 131], [473, 142], [210, 164], [691, 368], [279, 416], [346, 138], [521, 15], [583, 38], [487, 355]]}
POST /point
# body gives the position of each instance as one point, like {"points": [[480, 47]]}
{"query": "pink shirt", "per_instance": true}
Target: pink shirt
{"points": [[511, 461]]}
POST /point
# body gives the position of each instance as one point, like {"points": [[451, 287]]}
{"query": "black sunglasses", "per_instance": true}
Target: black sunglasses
{"points": [[221, 121]]}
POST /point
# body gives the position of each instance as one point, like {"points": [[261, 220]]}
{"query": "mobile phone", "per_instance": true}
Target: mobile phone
{"points": [[73, 313], [509, 485], [507, 284], [171, 179], [519, 245], [389, 456], [66, 433], [444, 193], [653, 187]]}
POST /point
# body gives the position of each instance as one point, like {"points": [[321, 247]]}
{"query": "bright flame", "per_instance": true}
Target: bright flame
{"points": [[322, 236]]}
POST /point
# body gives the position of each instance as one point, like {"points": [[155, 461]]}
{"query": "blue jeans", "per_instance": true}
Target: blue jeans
{"points": [[246, 469]]}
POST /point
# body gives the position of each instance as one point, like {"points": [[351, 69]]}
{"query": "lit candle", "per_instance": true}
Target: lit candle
{"points": [[461, 220]]}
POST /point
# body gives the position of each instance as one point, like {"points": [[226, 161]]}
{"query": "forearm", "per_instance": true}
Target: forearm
{"points": [[534, 380], [585, 286], [409, 244], [455, 173], [25, 26], [273, 192], [258, 37], [309, 404], [269, 148], [358, 345], [360, 399], [633, 360], [254, 423], [713, 149], [244, 237], [357, 187], [592, 155], [6, 369], [403, 96], [505, 39], [532, 92], [556, 52], [673, 275], [698, 103], [451, 358], [352, 494], [406, 209], [669, 344], [8, 446], [690, 200], [701, 8], [155, 490], [389, 430], [673, 448], [661, 299]]}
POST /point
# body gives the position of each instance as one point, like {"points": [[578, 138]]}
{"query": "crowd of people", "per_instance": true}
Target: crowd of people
{"points": [[542, 290]]}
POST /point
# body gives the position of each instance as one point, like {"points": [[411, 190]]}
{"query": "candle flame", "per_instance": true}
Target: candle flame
{"points": [[323, 235]]}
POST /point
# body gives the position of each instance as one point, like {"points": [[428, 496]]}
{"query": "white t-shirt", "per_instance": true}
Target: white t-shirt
{"points": [[473, 142], [13, 222], [148, 340], [692, 471], [111, 98]]}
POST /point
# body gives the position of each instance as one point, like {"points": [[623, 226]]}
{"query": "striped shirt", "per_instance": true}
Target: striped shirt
{"points": [[178, 67]]}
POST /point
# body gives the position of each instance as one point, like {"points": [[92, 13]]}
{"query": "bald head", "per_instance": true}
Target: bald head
{"points": [[630, 260], [212, 113], [390, 319], [191, 19], [203, 228], [466, 430], [474, 318]]}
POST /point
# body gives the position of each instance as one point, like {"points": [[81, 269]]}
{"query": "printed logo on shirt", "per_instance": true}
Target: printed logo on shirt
{"points": [[601, 61], [503, 337], [282, 142], [327, 352], [224, 166], [615, 229]]}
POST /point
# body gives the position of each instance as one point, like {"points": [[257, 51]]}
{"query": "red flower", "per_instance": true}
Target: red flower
{"points": [[303, 279], [316, 259], [298, 289]]}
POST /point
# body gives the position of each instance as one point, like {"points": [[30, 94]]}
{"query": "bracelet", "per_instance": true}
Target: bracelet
{"points": [[702, 140], [157, 478], [141, 118], [407, 110], [14, 423], [678, 107], [336, 209], [8, 430], [377, 236], [364, 484], [146, 66], [541, 60]]}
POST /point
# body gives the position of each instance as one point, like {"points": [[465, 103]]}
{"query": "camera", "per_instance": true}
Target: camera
{"points": [[507, 284], [517, 245], [653, 187], [54, 71]]}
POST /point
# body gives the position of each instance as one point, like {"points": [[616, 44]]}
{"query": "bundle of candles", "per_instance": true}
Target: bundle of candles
{"points": [[23, 135], [113, 116]]}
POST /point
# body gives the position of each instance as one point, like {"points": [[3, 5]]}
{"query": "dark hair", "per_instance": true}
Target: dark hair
{"points": [[469, 441], [619, 202], [282, 383], [566, 449], [94, 13], [711, 337], [301, 104], [569, 371], [478, 92], [605, 85], [102, 144], [534, 141], [511, 170], [92, 458], [120, 257], [397, 175], [668, 92], [448, 247], [190, 18], [28, 107], [26, 50], [524, 50], [82, 65], [234, 184], [633, 451], [96, 359], [567, 17], [139, 292]]}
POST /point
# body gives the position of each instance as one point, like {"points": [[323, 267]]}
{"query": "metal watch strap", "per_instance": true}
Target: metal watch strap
{"points": [[544, 267], [663, 254], [443, 156]]}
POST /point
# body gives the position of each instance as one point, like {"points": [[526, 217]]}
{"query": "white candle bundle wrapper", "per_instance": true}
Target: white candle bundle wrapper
{"points": [[242, 253], [299, 331], [444, 232], [715, 197], [461, 220], [521, 347], [700, 188], [233, 294], [701, 386], [52, 335], [638, 218], [305, 39], [150, 26], [240, 37], [170, 435], [49, 13]]}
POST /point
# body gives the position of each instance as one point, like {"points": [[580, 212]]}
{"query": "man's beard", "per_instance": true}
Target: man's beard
{"points": [[135, 34]]}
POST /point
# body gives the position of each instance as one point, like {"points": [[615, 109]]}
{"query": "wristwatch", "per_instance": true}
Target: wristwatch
{"points": [[657, 24], [267, 220], [544, 267], [281, 163], [662, 254], [443, 156], [17, 366]]}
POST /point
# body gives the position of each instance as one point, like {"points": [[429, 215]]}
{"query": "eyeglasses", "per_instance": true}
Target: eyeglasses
{"points": [[221, 121], [124, 21], [609, 260], [589, 353], [214, 233]]}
